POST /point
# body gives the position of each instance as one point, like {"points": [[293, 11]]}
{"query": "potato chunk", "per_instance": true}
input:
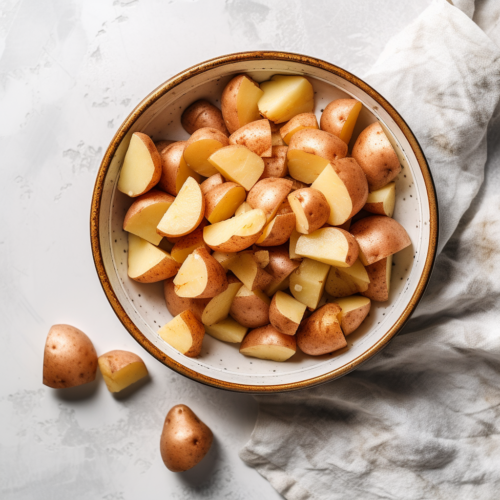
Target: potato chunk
{"points": [[307, 282], [121, 369], [184, 333], [227, 330], [382, 200], [200, 146], [268, 343], [346, 281]]}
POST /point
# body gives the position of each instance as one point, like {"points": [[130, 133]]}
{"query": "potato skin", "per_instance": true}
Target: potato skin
{"points": [[201, 114], [185, 439], [197, 333], [268, 335], [69, 359], [171, 157], [211, 182], [318, 142], [117, 359], [280, 321], [167, 268], [304, 120], [269, 194], [176, 304], [216, 194], [352, 320], [250, 311], [377, 288], [315, 206], [256, 136], [276, 165], [280, 265], [379, 236], [335, 115], [190, 240], [208, 133], [321, 332], [376, 156], [144, 201]]}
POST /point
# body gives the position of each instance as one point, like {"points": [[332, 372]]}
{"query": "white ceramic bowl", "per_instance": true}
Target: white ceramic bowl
{"points": [[141, 307]]}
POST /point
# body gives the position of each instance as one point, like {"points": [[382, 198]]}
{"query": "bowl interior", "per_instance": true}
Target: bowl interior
{"points": [[221, 363]]}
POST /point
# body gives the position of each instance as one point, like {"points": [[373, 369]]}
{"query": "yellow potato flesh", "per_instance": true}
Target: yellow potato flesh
{"points": [[218, 308], [262, 257], [227, 205], [336, 194], [272, 352], [289, 136], [223, 258], [197, 154], [244, 207], [177, 334], [266, 232], [277, 286], [238, 164], [305, 167], [349, 304], [144, 223], [286, 96], [307, 282], [348, 127], [326, 245], [137, 170], [191, 280], [346, 281], [301, 221], [142, 256], [290, 307], [184, 214], [121, 379], [183, 173], [247, 102], [358, 274], [227, 330], [180, 255], [293, 243], [386, 196], [245, 267]]}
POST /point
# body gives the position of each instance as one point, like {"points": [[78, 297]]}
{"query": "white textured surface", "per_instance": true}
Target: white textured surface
{"points": [[70, 71]]}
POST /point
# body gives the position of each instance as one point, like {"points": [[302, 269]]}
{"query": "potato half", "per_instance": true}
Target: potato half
{"points": [[380, 280], [120, 369], [256, 136], [279, 230], [200, 146], [250, 308], [176, 304], [218, 308], [222, 201], [227, 330], [298, 122], [268, 195], [345, 281], [354, 311], [286, 313], [202, 114], [382, 200], [268, 343], [340, 117], [184, 333], [275, 166], [307, 282], [311, 209]]}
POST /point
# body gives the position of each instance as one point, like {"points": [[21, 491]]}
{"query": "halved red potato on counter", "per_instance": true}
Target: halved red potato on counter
{"points": [[202, 114], [307, 282], [286, 313], [222, 201], [227, 330], [200, 146], [298, 122], [268, 195], [311, 209], [184, 333], [380, 280], [268, 343], [382, 200], [218, 308], [256, 136], [345, 281], [354, 311], [276, 164], [250, 308], [278, 231], [340, 117]]}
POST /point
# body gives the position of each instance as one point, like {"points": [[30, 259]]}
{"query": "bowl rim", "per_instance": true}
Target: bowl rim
{"points": [[168, 85]]}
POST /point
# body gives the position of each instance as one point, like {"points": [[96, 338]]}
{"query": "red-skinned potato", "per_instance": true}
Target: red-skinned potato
{"points": [[120, 369], [268, 343], [354, 311], [339, 118], [380, 280], [200, 146], [256, 136], [298, 122], [184, 333], [382, 200], [202, 114], [141, 169], [250, 308], [311, 209], [222, 201], [176, 304], [279, 230], [185, 439], [275, 166], [286, 313], [69, 359], [268, 195], [378, 237], [321, 332], [210, 183], [297, 184], [376, 156]]}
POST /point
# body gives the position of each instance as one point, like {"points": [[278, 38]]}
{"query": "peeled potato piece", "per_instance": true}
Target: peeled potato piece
{"points": [[286, 96], [344, 185], [237, 233], [268, 343], [382, 200], [147, 263], [238, 164], [380, 280], [286, 313], [185, 213], [186, 245], [256, 136], [346, 281], [176, 304], [376, 156], [311, 209], [298, 122], [354, 311], [227, 330], [222, 201], [202, 114], [218, 307], [120, 369], [279, 230], [340, 116], [250, 308], [330, 245], [210, 183], [200, 146], [378, 237], [145, 214], [200, 276], [239, 102], [184, 333], [247, 269], [141, 169], [268, 195], [275, 166], [307, 282]]}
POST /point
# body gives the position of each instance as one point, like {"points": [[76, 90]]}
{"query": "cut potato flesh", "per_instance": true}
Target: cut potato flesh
{"points": [[293, 243], [354, 311], [278, 231], [144, 223], [243, 208], [382, 200], [336, 194], [121, 379], [272, 352], [307, 282], [227, 330], [305, 167], [238, 164], [247, 269], [277, 286], [227, 205], [328, 245], [197, 154], [186, 211], [286, 96], [191, 280], [358, 274], [290, 307], [223, 258], [178, 334], [218, 308], [346, 281], [350, 122], [247, 102]]}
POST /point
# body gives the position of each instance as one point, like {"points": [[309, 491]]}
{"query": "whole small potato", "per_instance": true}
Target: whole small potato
{"points": [[202, 114], [185, 439], [69, 359]]}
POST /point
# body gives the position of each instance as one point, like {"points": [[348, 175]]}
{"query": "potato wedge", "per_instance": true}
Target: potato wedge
{"points": [[330, 245], [185, 213], [243, 208], [239, 102], [227, 330], [238, 164], [380, 280], [200, 146], [376, 156], [224, 258], [145, 214], [294, 237], [269, 194], [276, 138], [298, 122], [382, 200], [141, 169], [311, 209], [184, 333], [200, 276], [286, 96], [354, 311], [248, 270], [268, 343], [275, 166], [286, 313], [218, 307], [346, 281], [176, 304], [250, 308], [307, 282], [202, 114], [256, 136], [378, 237], [280, 265], [277, 286], [340, 117], [262, 257], [279, 230], [237, 233], [222, 201], [188, 244], [147, 263], [321, 333], [344, 185], [120, 369], [210, 183]]}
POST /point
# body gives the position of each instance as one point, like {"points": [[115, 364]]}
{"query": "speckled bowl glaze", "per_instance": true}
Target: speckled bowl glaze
{"points": [[141, 307]]}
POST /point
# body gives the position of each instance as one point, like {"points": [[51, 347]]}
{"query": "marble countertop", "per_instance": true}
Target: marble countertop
{"points": [[70, 72]]}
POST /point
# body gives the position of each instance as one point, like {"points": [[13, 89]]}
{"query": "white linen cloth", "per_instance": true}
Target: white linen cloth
{"points": [[422, 419]]}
